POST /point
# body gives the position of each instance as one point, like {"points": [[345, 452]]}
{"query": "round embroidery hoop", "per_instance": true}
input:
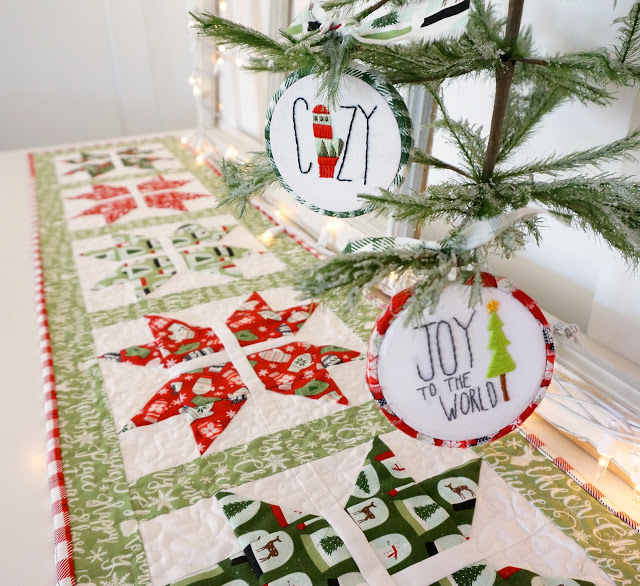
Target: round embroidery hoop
{"points": [[394, 310], [398, 108]]}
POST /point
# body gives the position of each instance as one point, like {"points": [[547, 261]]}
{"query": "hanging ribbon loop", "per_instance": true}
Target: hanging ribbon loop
{"points": [[400, 25]]}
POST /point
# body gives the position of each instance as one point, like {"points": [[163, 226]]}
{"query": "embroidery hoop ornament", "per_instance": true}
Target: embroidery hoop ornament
{"points": [[399, 110], [394, 310]]}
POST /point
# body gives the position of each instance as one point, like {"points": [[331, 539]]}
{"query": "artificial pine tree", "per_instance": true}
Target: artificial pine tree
{"points": [[487, 185]]}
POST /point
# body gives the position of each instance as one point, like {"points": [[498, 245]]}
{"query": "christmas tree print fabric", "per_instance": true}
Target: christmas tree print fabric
{"points": [[256, 322], [156, 268], [174, 342], [403, 524], [283, 546], [301, 369], [455, 491]]}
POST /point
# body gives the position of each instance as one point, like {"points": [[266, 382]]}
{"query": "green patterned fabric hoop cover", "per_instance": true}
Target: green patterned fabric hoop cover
{"points": [[398, 107]]}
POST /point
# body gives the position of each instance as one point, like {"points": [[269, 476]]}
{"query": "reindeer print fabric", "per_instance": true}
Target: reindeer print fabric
{"points": [[187, 378]]}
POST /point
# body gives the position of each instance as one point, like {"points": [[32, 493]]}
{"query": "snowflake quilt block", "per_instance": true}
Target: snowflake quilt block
{"points": [[209, 397], [174, 341], [301, 369], [103, 204], [256, 322]]}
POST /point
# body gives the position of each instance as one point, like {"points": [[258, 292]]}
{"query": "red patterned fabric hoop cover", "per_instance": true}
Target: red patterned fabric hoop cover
{"points": [[394, 309]]}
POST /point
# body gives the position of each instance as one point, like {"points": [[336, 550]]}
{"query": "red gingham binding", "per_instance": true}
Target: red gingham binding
{"points": [[65, 573], [386, 318]]}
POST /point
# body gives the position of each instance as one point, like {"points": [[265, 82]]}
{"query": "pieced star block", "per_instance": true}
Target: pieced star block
{"points": [[210, 398], [302, 370], [174, 342], [256, 322]]}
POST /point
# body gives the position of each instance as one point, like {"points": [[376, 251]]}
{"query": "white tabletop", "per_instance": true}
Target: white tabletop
{"points": [[26, 542]]}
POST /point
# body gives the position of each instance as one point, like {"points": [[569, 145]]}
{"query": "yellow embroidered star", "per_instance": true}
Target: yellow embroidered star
{"points": [[493, 305]]}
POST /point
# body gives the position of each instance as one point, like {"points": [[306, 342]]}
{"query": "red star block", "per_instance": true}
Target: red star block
{"points": [[172, 200], [300, 369], [159, 183], [111, 210], [175, 341], [256, 322], [209, 397], [101, 192]]}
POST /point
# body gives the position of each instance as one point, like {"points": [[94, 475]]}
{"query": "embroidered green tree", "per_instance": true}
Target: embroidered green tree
{"points": [[362, 483], [232, 509], [424, 512], [331, 543], [501, 361], [467, 576]]}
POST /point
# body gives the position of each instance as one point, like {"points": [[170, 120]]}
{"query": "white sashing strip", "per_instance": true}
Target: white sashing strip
{"points": [[440, 566], [200, 362]]}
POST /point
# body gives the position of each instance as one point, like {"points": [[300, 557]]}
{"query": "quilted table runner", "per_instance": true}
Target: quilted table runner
{"points": [[208, 427]]}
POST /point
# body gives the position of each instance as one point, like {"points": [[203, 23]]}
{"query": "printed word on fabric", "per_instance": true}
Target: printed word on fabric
{"points": [[462, 375], [327, 156]]}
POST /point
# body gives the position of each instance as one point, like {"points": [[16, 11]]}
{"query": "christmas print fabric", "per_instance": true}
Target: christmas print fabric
{"points": [[174, 342], [403, 524], [301, 369], [282, 546], [256, 322]]}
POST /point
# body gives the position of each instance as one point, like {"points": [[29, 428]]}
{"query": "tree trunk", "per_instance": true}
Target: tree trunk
{"points": [[504, 77], [503, 385]]}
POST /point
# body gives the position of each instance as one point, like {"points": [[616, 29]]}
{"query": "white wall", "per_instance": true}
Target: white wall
{"points": [[572, 274], [72, 70]]}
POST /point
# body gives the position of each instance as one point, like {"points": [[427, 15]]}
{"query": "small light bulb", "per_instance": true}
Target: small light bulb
{"points": [[278, 213], [192, 23], [191, 80], [638, 494], [199, 160], [266, 237], [393, 276], [239, 62], [197, 91], [220, 61], [231, 153], [184, 140], [223, 6], [333, 225], [603, 464], [222, 48], [220, 107]]}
